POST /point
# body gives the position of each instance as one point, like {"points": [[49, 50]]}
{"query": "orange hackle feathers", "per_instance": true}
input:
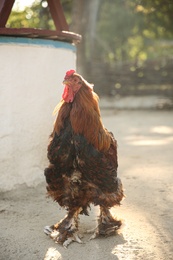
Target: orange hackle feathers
{"points": [[84, 115]]}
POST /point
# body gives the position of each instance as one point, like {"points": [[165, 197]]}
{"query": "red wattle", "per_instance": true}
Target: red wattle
{"points": [[68, 94]]}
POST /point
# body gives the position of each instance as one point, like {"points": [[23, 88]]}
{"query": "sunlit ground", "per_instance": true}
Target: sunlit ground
{"points": [[156, 135], [145, 146], [52, 253]]}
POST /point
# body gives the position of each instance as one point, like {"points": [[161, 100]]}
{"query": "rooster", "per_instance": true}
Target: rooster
{"points": [[83, 163]]}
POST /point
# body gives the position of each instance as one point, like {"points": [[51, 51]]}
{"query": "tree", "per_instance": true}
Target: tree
{"points": [[113, 32], [87, 13], [36, 16]]}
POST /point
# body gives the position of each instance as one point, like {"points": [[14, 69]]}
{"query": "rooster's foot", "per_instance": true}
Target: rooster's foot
{"points": [[65, 238], [66, 231], [105, 229], [107, 224]]}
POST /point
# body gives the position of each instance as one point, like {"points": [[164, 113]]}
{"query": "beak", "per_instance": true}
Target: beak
{"points": [[66, 82]]}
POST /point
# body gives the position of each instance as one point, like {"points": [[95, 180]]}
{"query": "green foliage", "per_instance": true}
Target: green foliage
{"points": [[134, 30], [127, 30], [116, 22], [36, 16]]}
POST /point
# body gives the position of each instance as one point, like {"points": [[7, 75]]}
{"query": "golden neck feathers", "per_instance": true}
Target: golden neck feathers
{"points": [[84, 116]]}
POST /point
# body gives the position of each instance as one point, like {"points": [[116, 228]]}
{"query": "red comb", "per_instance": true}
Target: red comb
{"points": [[69, 73]]}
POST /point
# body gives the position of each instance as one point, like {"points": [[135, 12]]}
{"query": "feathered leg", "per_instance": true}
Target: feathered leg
{"points": [[107, 224], [65, 231]]}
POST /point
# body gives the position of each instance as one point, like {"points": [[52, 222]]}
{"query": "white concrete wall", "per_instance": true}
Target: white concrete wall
{"points": [[31, 74]]}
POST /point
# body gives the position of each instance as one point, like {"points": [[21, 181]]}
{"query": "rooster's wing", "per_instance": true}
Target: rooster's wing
{"points": [[99, 168]]}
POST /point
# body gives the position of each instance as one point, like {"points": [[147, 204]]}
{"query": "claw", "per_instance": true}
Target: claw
{"points": [[67, 242], [54, 235], [90, 231], [94, 236], [77, 238], [93, 231], [48, 230]]}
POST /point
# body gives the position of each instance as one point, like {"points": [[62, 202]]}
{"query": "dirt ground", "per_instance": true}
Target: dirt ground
{"points": [[145, 140]]}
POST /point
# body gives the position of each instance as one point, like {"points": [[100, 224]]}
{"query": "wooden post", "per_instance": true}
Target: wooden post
{"points": [[57, 13], [5, 10]]}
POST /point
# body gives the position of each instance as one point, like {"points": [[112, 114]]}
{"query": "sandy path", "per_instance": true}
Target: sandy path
{"points": [[145, 141]]}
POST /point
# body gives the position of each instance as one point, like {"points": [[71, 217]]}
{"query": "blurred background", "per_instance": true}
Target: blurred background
{"points": [[127, 45]]}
